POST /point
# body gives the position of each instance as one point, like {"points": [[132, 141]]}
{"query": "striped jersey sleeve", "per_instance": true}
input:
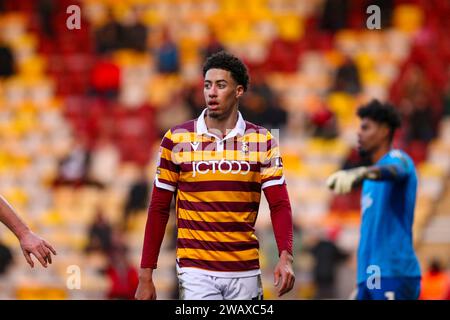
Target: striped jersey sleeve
{"points": [[272, 164], [167, 171]]}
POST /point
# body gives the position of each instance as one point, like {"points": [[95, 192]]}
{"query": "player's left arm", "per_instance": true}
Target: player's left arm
{"points": [[397, 170], [281, 216], [29, 241]]}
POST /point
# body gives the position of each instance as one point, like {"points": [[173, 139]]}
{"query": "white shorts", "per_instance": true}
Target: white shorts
{"points": [[197, 286]]}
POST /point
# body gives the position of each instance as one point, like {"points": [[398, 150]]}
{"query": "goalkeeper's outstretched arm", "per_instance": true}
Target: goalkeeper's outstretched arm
{"points": [[344, 181]]}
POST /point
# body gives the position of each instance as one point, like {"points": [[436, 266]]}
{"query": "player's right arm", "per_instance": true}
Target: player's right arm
{"points": [[166, 179]]}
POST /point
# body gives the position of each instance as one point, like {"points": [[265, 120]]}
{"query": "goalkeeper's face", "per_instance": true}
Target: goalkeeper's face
{"points": [[221, 93], [371, 136]]}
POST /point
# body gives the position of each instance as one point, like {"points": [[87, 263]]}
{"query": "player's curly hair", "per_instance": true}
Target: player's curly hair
{"points": [[381, 113], [226, 61]]}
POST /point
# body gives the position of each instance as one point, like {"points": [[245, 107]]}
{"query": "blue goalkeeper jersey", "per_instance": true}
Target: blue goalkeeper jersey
{"points": [[387, 209]]}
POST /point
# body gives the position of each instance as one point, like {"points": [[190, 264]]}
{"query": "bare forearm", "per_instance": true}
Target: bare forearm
{"points": [[146, 274], [11, 219], [285, 255]]}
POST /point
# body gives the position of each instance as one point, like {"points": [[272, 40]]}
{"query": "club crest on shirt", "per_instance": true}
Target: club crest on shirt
{"points": [[366, 202], [244, 147]]}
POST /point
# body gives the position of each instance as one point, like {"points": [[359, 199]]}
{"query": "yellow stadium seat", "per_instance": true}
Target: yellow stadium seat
{"points": [[290, 27], [16, 196], [52, 218], [239, 33], [12, 26], [291, 162], [33, 66], [127, 57], [40, 293], [189, 50], [430, 170], [343, 105], [408, 17], [25, 45], [334, 58]]}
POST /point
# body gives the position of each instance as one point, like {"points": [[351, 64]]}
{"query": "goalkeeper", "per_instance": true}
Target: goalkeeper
{"points": [[387, 264]]}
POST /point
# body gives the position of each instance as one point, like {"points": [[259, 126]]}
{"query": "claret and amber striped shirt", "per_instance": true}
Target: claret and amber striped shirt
{"points": [[218, 185]]}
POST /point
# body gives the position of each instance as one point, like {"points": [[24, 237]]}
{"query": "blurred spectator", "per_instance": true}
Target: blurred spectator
{"points": [[260, 104], [347, 77], [414, 81], [419, 119], [334, 15], [46, 11], [100, 235], [107, 37], [105, 160], [195, 101], [105, 77], [355, 159], [7, 62], [167, 54], [122, 275], [212, 46], [327, 257], [134, 133], [134, 32], [435, 283], [6, 258], [175, 110], [412, 86], [282, 56], [73, 168], [137, 198], [446, 96], [324, 122]]}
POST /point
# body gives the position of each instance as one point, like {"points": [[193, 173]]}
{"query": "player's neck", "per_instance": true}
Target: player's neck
{"points": [[380, 152], [222, 125]]}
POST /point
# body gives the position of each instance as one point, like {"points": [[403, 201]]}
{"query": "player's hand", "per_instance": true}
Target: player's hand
{"points": [[146, 289], [284, 277], [41, 249], [343, 181]]}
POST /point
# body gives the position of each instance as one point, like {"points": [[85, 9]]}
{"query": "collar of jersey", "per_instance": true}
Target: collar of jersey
{"points": [[201, 127]]}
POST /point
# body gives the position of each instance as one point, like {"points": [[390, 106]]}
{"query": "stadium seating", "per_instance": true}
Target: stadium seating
{"points": [[48, 104]]}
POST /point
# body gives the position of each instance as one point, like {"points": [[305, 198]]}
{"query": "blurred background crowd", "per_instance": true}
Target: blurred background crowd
{"points": [[82, 113]]}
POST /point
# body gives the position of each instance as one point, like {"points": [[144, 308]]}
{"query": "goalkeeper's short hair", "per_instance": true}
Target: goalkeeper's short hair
{"points": [[382, 113]]}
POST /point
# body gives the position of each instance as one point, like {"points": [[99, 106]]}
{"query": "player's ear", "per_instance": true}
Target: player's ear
{"points": [[386, 131], [239, 91]]}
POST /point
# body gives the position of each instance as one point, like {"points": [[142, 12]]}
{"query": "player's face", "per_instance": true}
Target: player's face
{"points": [[371, 136], [221, 93]]}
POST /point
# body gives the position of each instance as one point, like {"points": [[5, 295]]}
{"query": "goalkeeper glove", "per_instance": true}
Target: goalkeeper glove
{"points": [[342, 182]]}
